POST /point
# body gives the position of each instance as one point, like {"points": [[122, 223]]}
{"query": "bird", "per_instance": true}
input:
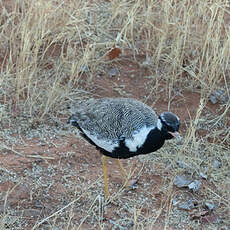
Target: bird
{"points": [[122, 128]]}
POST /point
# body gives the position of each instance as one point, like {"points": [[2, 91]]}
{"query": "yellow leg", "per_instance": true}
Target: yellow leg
{"points": [[104, 160], [123, 172]]}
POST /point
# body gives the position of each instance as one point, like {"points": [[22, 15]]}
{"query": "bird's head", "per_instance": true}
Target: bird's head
{"points": [[169, 123]]}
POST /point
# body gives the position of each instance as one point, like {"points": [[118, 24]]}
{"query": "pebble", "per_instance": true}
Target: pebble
{"points": [[181, 181], [218, 96]]}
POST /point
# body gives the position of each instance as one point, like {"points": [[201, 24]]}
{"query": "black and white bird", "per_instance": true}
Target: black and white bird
{"points": [[122, 128]]}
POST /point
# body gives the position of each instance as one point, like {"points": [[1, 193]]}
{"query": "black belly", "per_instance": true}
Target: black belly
{"points": [[154, 141]]}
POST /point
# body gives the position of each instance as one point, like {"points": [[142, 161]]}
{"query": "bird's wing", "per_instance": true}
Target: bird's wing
{"points": [[113, 119]]}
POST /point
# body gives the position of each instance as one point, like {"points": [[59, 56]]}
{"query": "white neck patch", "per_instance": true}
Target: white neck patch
{"points": [[159, 124], [178, 119], [138, 138]]}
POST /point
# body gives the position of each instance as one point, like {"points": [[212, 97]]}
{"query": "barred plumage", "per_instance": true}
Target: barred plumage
{"points": [[113, 118]]}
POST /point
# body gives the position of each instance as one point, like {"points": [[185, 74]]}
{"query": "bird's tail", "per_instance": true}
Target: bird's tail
{"points": [[73, 121]]}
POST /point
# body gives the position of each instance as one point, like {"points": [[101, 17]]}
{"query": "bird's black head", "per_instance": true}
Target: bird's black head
{"points": [[169, 125]]}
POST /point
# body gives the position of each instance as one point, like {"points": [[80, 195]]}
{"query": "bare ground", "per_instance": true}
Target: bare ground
{"points": [[50, 177]]}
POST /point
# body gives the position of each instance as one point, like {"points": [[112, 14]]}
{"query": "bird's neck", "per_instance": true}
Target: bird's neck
{"points": [[153, 142]]}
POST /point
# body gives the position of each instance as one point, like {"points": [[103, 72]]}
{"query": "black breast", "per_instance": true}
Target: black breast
{"points": [[153, 142]]}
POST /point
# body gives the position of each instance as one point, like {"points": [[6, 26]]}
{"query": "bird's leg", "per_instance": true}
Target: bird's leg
{"points": [[104, 160], [123, 172]]}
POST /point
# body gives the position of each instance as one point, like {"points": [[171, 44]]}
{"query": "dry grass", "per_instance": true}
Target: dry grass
{"points": [[51, 52]]}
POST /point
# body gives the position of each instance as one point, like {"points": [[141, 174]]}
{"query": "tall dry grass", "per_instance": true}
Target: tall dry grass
{"points": [[45, 46], [188, 39]]}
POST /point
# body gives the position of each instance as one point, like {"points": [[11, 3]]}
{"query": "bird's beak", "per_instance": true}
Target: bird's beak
{"points": [[175, 134]]}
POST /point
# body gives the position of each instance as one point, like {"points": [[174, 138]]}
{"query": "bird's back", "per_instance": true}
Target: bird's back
{"points": [[113, 118]]}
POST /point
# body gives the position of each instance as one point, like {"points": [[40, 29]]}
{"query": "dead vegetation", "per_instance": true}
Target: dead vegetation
{"points": [[174, 55]]}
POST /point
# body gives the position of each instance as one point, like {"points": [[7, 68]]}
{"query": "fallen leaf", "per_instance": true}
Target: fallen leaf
{"points": [[114, 53]]}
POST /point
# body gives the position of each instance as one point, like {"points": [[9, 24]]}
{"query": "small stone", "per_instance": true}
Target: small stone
{"points": [[195, 185], [181, 181], [218, 96], [133, 184], [216, 164], [203, 176], [209, 205], [113, 72], [183, 165], [213, 99], [187, 205]]}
